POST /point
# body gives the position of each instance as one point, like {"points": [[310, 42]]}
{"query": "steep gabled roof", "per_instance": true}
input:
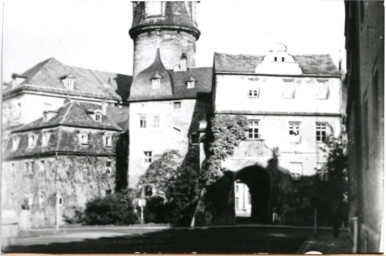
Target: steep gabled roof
{"points": [[73, 114], [47, 77], [243, 63]]}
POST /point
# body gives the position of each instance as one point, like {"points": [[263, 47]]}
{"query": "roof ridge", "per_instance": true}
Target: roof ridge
{"points": [[68, 110], [41, 68]]}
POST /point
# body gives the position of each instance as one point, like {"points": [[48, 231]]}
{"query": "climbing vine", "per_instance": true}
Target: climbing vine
{"points": [[224, 134]]}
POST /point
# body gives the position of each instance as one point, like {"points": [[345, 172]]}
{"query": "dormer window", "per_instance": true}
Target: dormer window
{"points": [[191, 83], [108, 139], [15, 142], [98, 117], [69, 81], [156, 81], [83, 137], [32, 138]]}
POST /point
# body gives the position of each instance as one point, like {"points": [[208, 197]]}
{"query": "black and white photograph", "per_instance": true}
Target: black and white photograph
{"points": [[192, 127]]}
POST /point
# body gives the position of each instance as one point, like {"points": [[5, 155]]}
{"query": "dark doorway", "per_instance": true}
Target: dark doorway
{"points": [[258, 181]]}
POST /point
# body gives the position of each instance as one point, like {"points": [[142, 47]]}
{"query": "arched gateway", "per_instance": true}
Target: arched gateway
{"points": [[258, 181]]}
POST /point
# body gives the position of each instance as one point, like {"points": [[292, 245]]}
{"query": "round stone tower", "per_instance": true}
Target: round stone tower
{"points": [[169, 26]]}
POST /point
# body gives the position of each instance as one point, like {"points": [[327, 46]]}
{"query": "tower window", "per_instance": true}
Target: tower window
{"points": [[142, 122], [321, 132], [275, 59], [282, 59], [108, 167], [148, 156], [253, 132], [153, 8], [156, 83]]}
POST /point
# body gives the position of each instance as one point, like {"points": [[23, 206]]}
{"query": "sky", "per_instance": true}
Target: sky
{"points": [[94, 34]]}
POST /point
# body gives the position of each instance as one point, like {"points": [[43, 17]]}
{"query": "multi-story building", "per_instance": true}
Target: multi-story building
{"points": [[293, 104], [169, 95], [67, 155], [365, 122]]}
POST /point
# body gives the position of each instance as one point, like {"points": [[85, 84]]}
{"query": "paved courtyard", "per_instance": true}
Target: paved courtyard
{"points": [[131, 240]]}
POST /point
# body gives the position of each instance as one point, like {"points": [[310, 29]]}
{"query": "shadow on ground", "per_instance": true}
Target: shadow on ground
{"points": [[212, 240]]}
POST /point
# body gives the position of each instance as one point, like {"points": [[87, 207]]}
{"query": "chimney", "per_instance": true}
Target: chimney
{"points": [[183, 62], [104, 107], [17, 79], [48, 114]]}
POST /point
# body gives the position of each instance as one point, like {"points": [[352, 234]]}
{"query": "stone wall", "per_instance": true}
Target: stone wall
{"points": [[171, 43], [77, 179]]}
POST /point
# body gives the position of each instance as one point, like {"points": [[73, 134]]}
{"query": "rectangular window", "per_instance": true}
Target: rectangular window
{"points": [[177, 106], [148, 156], [156, 83], [142, 121], [253, 132], [108, 139], [296, 171], [153, 8], [321, 132], [42, 166], [253, 94], [108, 167], [289, 90], [294, 131], [237, 202], [32, 138], [322, 90], [83, 138], [156, 122]]}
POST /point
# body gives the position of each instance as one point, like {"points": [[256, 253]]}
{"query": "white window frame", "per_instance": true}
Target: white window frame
{"points": [[253, 130], [15, 142], [45, 138], [190, 84], [98, 116], [322, 129], [83, 138], [32, 139], [156, 83], [148, 156], [142, 121], [108, 139], [150, 9], [253, 93], [294, 131], [296, 171]]}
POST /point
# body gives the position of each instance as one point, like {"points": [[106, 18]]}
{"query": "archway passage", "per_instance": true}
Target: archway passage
{"points": [[258, 181]]}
